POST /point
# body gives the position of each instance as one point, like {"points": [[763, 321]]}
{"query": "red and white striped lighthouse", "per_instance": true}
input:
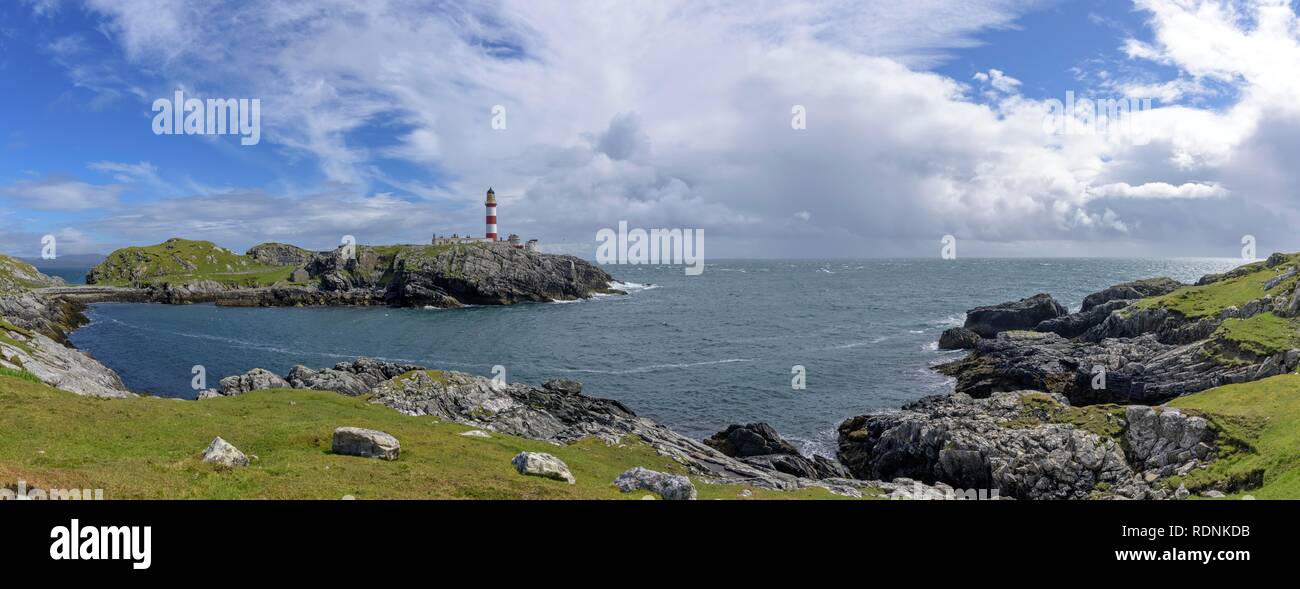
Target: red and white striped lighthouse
{"points": [[491, 215]]}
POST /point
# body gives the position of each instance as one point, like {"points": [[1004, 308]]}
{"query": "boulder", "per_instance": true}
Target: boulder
{"points": [[752, 439], [958, 338], [256, 379], [1022, 314], [541, 464], [671, 487], [476, 433], [221, 453], [367, 443]]}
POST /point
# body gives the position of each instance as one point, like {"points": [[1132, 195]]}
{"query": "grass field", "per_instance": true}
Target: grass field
{"points": [[1245, 341], [1210, 299], [150, 447], [1260, 451]]}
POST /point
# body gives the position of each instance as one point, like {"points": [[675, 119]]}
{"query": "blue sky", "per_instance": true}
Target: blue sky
{"points": [[376, 122]]}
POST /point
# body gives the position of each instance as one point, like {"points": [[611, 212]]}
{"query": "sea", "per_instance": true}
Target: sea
{"points": [[695, 353]]}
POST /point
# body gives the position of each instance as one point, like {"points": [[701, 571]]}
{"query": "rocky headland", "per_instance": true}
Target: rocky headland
{"points": [[1053, 404], [181, 271]]}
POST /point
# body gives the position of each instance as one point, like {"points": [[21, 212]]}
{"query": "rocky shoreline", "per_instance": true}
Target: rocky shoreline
{"points": [[1028, 418]]}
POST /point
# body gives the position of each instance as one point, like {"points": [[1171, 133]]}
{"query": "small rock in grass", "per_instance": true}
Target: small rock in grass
{"points": [[220, 452], [543, 465], [476, 433]]}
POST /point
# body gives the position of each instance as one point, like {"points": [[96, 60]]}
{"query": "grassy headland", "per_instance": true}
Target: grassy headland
{"points": [[148, 447], [178, 261]]}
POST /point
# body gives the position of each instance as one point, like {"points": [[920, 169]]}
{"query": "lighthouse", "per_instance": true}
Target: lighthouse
{"points": [[491, 215]]}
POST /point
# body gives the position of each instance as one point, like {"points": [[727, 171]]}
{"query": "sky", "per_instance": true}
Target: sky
{"points": [[781, 128]]}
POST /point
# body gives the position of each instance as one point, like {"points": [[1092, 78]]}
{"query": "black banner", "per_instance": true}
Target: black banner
{"points": [[1164, 537]]}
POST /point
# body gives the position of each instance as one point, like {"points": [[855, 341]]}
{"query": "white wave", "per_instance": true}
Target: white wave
{"points": [[954, 320], [654, 367], [632, 286], [932, 346]]}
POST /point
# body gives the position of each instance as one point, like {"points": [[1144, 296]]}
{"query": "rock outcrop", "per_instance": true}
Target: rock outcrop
{"points": [[1077, 324], [958, 338], [281, 254], [1130, 291], [367, 443], [1008, 442], [1137, 370], [254, 380], [1016, 315], [55, 364], [1167, 441], [759, 445], [752, 439]]}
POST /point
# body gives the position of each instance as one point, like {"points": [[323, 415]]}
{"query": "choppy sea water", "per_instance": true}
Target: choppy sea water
{"points": [[694, 352]]}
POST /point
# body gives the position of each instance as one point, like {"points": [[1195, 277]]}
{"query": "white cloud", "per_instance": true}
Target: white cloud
{"points": [[61, 194], [998, 80], [1189, 190], [123, 172], [677, 114]]}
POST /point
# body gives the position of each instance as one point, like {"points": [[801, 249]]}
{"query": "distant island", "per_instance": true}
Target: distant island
{"points": [[180, 271]]}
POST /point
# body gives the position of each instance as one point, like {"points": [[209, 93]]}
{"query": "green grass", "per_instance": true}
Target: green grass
{"points": [[1205, 301], [179, 261], [1238, 341], [148, 447], [19, 374], [1038, 408], [1259, 447], [261, 277], [6, 336]]}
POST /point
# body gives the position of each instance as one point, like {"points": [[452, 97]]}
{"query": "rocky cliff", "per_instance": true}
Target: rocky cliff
{"points": [[32, 328], [1050, 404]]}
